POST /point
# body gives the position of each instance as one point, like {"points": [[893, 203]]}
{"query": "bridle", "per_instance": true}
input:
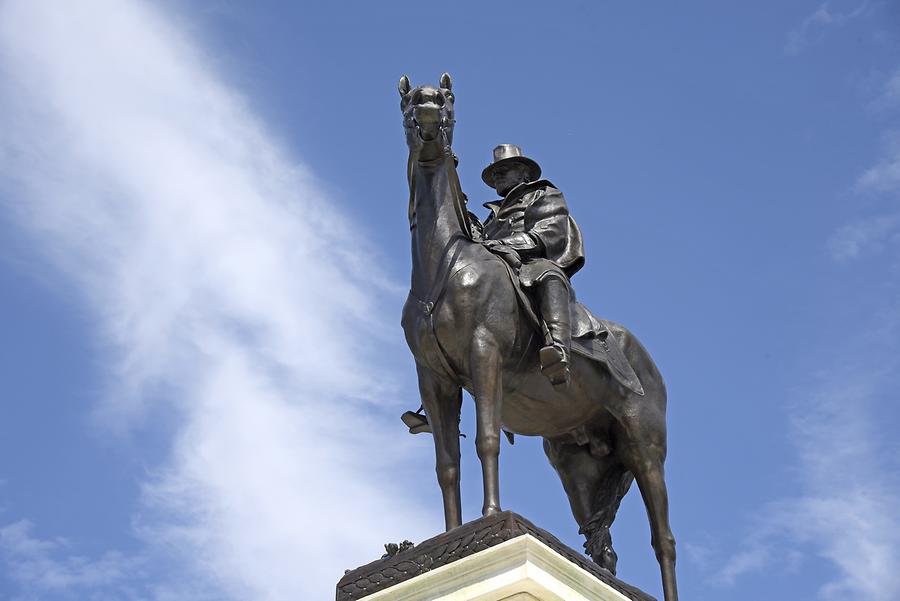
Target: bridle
{"points": [[450, 159]]}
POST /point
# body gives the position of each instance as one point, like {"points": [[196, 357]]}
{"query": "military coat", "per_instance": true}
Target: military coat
{"points": [[552, 241]]}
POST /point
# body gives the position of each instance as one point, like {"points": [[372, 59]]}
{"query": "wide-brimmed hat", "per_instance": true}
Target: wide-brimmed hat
{"points": [[510, 153]]}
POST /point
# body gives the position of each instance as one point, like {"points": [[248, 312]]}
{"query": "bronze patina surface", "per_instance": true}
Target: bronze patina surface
{"points": [[491, 310]]}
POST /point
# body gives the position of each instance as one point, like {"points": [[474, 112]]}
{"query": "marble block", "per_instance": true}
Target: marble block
{"points": [[499, 558]]}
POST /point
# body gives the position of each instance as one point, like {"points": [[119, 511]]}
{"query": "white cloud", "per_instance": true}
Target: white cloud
{"points": [[852, 240], [814, 27], [845, 509], [879, 231], [885, 175], [843, 503], [755, 556], [204, 251], [889, 96], [48, 566]]}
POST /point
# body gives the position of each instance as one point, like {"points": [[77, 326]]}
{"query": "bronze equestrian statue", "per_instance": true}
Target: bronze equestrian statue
{"points": [[479, 316]]}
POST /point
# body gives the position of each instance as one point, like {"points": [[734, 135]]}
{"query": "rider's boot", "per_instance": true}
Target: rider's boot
{"points": [[554, 300]]}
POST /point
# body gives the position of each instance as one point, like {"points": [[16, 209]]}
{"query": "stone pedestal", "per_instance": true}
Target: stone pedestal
{"points": [[503, 557]]}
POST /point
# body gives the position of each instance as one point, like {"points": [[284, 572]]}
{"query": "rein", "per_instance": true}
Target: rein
{"points": [[451, 268], [459, 202]]}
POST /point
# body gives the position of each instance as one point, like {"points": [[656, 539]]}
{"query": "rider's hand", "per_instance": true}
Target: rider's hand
{"points": [[492, 243], [507, 253]]}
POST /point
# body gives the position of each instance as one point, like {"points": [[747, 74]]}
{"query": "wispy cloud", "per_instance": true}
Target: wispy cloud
{"points": [[885, 175], [874, 233], [224, 290], [843, 506], [882, 230], [815, 26], [888, 97], [42, 567], [846, 510]]}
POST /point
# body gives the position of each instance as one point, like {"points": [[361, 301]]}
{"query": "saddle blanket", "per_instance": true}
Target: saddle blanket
{"points": [[592, 337], [598, 342]]}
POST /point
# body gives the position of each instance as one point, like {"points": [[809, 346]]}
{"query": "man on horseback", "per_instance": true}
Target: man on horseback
{"points": [[530, 227], [531, 222]]}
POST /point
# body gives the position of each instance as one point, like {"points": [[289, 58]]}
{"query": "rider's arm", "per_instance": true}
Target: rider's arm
{"points": [[547, 220], [524, 243]]}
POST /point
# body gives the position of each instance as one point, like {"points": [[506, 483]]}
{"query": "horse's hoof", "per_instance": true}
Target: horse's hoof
{"points": [[490, 510], [607, 559]]}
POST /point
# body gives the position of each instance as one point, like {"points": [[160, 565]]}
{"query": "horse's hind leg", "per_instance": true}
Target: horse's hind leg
{"points": [[595, 487], [645, 457], [442, 401]]}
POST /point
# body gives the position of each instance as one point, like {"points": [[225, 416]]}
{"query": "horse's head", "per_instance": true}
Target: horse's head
{"points": [[427, 117]]}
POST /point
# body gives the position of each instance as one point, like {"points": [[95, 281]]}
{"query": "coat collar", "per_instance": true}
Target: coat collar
{"points": [[515, 195]]}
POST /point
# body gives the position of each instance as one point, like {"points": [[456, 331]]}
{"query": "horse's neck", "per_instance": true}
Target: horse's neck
{"points": [[436, 223]]}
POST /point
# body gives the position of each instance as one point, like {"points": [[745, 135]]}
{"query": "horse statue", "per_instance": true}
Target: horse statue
{"points": [[468, 329]]}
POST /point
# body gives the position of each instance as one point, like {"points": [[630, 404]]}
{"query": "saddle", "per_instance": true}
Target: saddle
{"points": [[592, 337]]}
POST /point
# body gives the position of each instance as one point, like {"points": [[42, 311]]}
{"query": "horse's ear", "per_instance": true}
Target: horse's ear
{"points": [[446, 83], [403, 86]]}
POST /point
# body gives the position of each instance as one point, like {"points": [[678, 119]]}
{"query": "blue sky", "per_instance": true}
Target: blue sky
{"points": [[200, 401]]}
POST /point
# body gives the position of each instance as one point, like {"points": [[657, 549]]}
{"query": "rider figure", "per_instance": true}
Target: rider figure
{"points": [[532, 218]]}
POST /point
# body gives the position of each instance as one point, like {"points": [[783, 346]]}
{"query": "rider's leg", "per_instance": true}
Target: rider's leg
{"points": [[553, 295]]}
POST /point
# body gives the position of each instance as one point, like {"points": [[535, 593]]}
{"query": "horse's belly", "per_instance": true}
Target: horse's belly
{"points": [[535, 408]]}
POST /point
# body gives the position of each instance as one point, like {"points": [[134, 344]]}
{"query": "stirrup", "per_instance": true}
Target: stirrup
{"points": [[555, 364], [416, 422]]}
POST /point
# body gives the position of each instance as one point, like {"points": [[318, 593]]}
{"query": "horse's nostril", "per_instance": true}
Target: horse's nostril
{"points": [[427, 96]]}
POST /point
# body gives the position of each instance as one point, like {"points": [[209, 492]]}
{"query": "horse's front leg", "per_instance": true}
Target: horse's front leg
{"points": [[487, 384], [442, 401]]}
